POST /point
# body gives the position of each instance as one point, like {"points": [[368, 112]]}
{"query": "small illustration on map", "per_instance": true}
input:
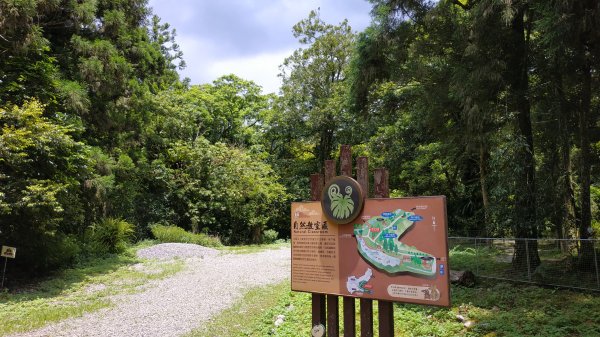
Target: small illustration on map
{"points": [[431, 293], [379, 243], [360, 284]]}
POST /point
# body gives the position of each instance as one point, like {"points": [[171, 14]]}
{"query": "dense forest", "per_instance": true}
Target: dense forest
{"points": [[493, 103]]}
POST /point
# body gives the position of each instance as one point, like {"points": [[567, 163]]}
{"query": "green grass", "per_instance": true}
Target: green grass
{"points": [[255, 313], [496, 310], [180, 235], [556, 268], [249, 249], [85, 288]]}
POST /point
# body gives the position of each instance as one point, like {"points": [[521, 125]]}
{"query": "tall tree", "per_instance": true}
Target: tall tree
{"points": [[313, 82], [573, 39], [41, 168]]}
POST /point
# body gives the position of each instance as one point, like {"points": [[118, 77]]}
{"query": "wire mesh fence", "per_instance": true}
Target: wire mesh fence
{"points": [[570, 263]]}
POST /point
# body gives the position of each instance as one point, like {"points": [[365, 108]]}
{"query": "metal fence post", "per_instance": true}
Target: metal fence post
{"points": [[596, 264], [476, 258], [528, 263]]}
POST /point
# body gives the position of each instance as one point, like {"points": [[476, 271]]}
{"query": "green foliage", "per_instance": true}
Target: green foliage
{"points": [[493, 104], [270, 236], [117, 139], [312, 108], [176, 234], [261, 306], [40, 169], [110, 236], [230, 110], [499, 310], [232, 195], [483, 102]]}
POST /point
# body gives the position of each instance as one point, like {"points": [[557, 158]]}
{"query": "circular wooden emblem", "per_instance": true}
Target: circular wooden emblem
{"points": [[342, 200]]}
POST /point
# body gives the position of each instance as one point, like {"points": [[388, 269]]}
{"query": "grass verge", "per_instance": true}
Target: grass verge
{"points": [[255, 313], [249, 249], [493, 310], [177, 234], [85, 288]]}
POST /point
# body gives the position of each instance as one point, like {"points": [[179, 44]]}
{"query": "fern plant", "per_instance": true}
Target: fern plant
{"points": [[341, 205]]}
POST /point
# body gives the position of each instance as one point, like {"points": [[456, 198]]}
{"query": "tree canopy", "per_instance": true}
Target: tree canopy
{"points": [[492, 103]]}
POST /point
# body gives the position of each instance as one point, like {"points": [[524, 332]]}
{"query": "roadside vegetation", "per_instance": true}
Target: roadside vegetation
{"points": [[179, 235], [249, 249], [84, 288], [487, 310]]}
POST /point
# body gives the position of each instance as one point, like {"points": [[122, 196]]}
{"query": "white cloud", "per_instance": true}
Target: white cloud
{"points": [[249, 38], [202, 68], [262, 69]]}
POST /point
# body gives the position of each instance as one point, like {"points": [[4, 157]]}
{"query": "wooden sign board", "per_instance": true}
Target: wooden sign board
{"points": [[9, 252], [395, 250]]}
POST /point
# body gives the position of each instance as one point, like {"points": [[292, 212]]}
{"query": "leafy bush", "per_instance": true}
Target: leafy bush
{"points": [[41, 167], [226, 190], [110, 235], [177, 234], [596, 228], [270, 236]]}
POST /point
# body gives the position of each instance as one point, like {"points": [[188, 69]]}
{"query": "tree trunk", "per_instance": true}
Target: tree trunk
{"points": [[325, 146], [586, 253], [565, 214], [483, 158], [526, 254], [257, 234]]}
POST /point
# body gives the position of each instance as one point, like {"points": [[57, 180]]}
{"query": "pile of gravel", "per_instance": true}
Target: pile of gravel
{"points": [[166, 251]]}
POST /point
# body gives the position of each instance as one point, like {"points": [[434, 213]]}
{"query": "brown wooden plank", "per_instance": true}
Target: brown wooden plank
{"points": [[381, 182], [386, 319], [333, 316], [349, 317], [318, 310], [318, 300], [329, 170], [362, 174], [366, 318], [316, 186], [348, 302], [346, 160], [377, 183], [386, 184], [366, 305]]}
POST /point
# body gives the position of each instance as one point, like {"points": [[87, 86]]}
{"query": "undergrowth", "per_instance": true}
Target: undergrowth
{"points": [[493, 310], [179, 235]]}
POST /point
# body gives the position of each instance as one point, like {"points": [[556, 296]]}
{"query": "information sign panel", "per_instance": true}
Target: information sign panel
{"points": [[396, 250], [9, 252]]}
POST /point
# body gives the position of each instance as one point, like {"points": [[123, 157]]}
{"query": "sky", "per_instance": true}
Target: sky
{"points": [[249, 38]]}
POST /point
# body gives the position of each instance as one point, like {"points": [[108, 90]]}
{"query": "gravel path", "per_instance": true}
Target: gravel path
{"points": [[178, 304]]}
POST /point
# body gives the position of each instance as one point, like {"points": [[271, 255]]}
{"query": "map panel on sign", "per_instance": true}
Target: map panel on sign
{"points": [[379, 241]]}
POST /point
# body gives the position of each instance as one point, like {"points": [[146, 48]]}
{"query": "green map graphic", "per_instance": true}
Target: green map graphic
{"points": [[378, 242]]}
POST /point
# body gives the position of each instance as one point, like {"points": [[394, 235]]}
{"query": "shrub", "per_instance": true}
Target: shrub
{"points": [[177, 234], [270, 236], [110, 235]]}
